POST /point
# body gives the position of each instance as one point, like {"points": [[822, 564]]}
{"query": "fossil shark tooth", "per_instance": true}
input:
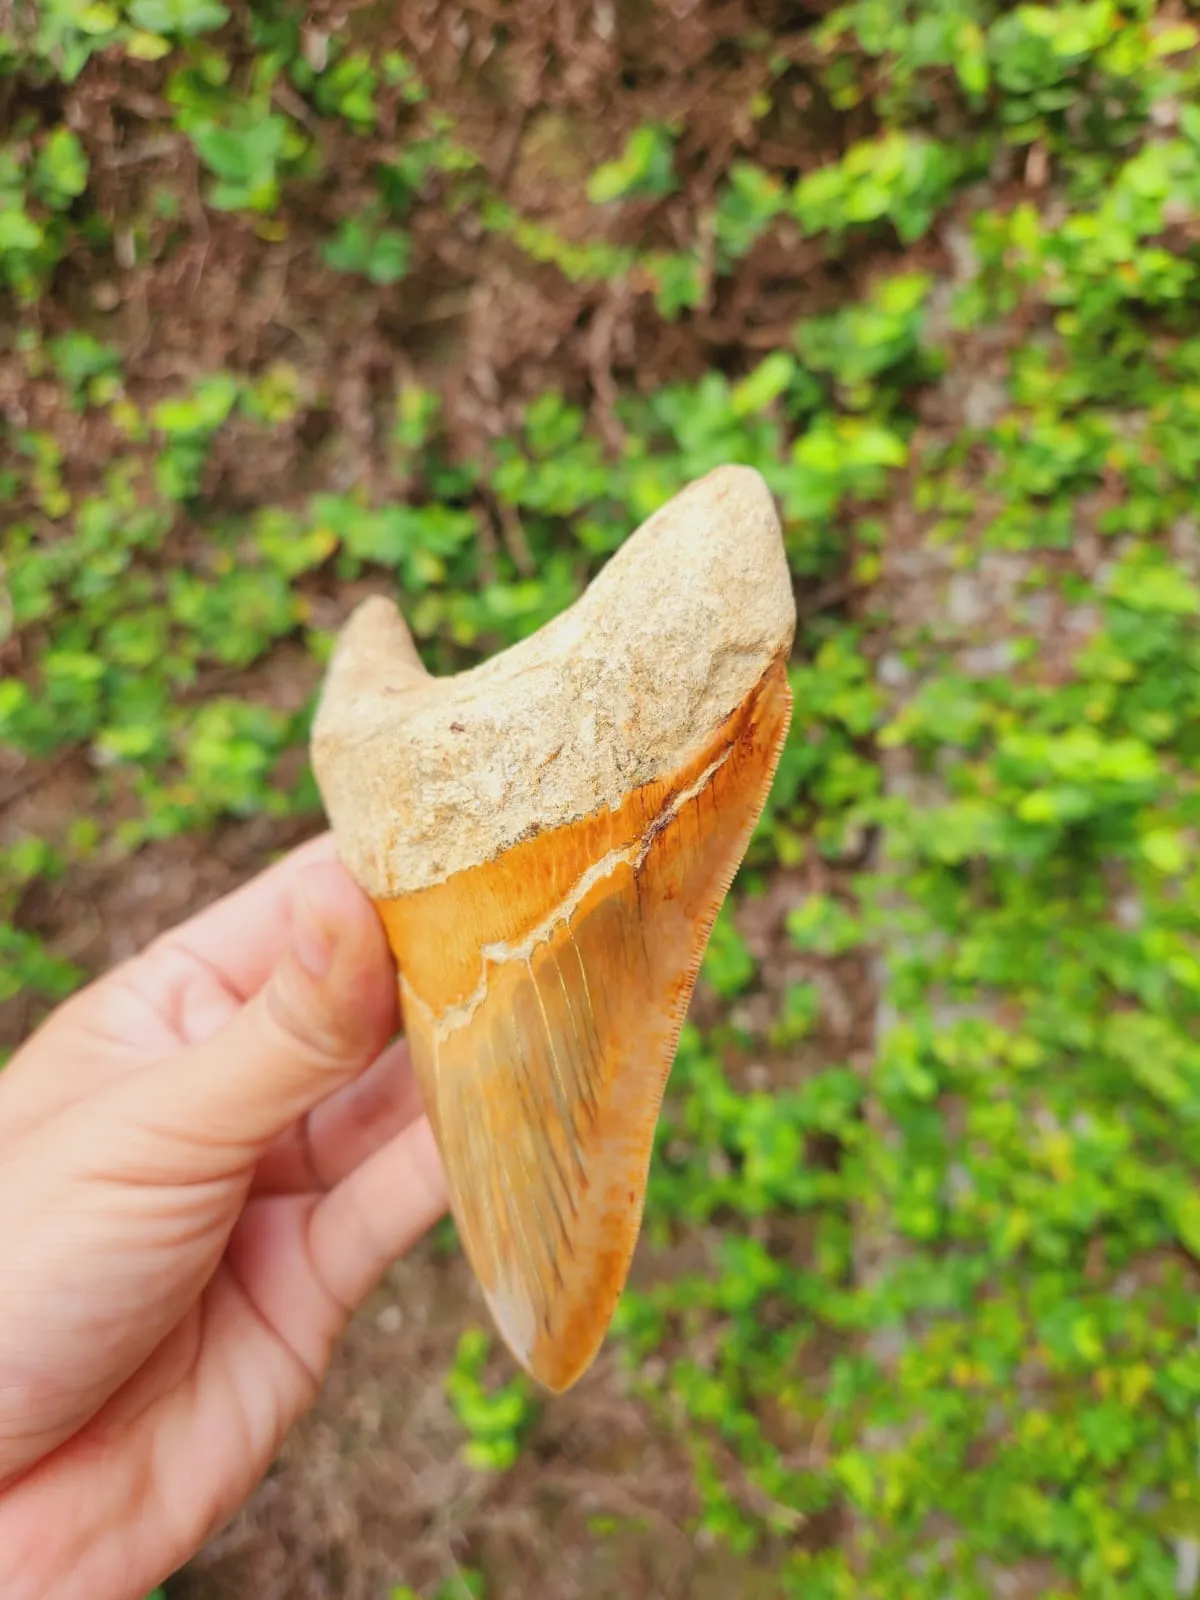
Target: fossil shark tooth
{"points": [[548, 838]]}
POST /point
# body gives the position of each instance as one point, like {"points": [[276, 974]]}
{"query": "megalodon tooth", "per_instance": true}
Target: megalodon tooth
{"points": [[547, 838]]}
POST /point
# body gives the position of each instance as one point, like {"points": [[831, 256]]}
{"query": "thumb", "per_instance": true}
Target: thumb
{"points": [[323, 1015]]}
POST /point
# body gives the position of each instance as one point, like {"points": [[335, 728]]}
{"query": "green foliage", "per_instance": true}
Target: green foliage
{"points": [[60, 35], [901, 177], [29, 966], [748, 204], [245, 154], [365, 245], [945, 1299], [881, 336], [182, 19], [247, 146], [1046, 59], [346, 88], [496, 1417], [60, 171], [645, 168], [88, 369], [40, 180], [728, 966], [187, 425]]}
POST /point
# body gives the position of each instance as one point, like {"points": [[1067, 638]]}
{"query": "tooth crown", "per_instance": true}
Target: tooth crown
{"points": [[548, 838]]}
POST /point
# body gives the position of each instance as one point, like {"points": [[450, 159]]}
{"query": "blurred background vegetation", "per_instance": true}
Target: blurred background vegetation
{"points": [[440, 298]]}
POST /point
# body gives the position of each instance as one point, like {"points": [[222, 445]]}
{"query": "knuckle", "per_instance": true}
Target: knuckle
{"points": [[304, 1025]]}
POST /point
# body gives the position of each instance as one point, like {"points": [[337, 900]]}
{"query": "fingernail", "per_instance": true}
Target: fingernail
{"points": [[311, 937]]}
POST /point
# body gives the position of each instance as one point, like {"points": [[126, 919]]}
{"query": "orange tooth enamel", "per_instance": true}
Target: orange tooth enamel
{"points": [[544, 992]]}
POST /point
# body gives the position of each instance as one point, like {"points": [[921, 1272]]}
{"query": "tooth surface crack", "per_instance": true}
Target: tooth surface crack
{"points": [[499, 954]]}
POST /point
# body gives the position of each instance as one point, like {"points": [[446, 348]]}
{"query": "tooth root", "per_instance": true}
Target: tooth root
{"points": [[555, 1043]]}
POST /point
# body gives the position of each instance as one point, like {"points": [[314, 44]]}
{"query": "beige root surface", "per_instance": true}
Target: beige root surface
{"points": [[422, 777]]}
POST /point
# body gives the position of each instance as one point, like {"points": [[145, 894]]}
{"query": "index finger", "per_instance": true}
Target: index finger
{"points": [[179, 990], [240, 937]]}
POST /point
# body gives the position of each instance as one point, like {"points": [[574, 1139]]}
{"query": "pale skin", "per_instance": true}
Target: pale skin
{"points": [[208, 1159]]}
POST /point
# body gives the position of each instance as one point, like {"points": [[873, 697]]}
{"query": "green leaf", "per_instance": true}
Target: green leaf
{"points": [[184, 18], [764, 385], [728, 967], [1164, 849], [60, 172], [645, 168], [19, 232]]}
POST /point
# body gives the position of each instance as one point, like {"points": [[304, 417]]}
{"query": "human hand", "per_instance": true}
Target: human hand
{"points": [[208, 1158]]}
